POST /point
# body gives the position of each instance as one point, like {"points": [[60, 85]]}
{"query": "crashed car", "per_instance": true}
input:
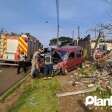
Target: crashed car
{"points": [[67, 58]]}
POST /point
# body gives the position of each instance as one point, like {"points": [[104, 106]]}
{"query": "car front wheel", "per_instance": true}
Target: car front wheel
{"points": [[64, 72]]}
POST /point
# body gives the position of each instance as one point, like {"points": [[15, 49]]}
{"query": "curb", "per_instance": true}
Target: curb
{"points": [[12, 88]]}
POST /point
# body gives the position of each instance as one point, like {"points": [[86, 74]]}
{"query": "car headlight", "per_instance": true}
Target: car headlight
{"points": [[55, 67]]}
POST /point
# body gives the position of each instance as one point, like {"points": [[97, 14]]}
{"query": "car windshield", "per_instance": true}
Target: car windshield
{"points": [[62, 54]]}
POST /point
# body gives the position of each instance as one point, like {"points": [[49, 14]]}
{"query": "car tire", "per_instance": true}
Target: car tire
{"points": [[64, 72]]}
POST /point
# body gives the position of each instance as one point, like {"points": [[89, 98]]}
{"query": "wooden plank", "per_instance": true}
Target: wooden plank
{"points": [[76, 92]]}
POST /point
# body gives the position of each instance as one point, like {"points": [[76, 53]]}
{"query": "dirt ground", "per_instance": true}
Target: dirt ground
{"points": [[74, 103], [70, 103], [11, 100]]}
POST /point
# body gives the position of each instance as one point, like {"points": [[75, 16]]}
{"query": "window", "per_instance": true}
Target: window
{"points": [[72, 55]]}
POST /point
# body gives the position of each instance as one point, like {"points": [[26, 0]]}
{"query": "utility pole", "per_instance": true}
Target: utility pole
{"points": [[95, 32], [73, 34], [78, 35], [58, 26], [78, 29]]}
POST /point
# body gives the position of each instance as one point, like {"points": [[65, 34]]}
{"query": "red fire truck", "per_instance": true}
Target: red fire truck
{"points": [[12, 45]]}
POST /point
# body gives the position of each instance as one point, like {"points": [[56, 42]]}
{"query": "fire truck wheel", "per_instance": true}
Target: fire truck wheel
{"points": [[65, 72]]}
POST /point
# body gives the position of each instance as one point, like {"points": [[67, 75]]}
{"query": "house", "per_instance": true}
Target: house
{"points": [[107, 44]]}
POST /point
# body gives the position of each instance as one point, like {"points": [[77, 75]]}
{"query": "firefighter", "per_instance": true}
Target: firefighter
{"points": [[22, 63]]}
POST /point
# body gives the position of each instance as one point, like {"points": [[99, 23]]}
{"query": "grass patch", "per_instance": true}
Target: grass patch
{"points": [[39, 97]]}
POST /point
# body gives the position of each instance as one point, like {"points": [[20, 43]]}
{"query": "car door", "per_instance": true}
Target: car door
{"points": [[70, 61], [78, 57]]}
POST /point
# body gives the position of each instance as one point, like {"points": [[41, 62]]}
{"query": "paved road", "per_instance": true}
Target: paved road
{"points": [[8, 77]]}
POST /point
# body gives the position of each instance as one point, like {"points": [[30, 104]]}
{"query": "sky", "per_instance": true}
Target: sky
{"points": [[38, 17]]}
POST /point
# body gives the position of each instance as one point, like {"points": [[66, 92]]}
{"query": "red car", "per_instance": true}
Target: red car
{"points": [[70, 57]]}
